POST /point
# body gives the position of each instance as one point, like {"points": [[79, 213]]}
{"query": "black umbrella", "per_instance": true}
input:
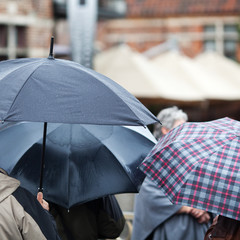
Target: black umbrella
{"points": [[83, 162], [62, 91]]}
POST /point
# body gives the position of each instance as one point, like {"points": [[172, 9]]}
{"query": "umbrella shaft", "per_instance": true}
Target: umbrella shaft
{"points": [[43, 156]]}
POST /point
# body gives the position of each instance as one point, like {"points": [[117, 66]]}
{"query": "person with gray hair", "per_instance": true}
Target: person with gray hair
{"points": [[155, 217], [170, 118]]}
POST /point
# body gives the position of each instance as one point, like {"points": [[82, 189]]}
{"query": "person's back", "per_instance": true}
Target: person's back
{"points": [[22, 216], [155, 217]]}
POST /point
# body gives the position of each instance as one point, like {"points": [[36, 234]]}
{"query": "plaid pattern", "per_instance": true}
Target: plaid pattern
{"points": [[198, 165]]}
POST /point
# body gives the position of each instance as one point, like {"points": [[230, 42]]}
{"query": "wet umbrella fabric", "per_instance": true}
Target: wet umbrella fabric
{"points": [[62, 91], [198, 164], [82, 162]]}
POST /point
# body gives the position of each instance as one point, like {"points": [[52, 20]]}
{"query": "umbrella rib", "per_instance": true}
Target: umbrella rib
{"points": [[118, 161], [122, 166]]}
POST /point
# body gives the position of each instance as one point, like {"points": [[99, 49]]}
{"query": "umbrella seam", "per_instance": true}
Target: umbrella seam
{"points": [[24, 82], [89, 72], [118, 162], [123, 166]]}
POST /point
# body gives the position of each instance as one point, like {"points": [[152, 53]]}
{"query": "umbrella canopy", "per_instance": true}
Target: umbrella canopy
{"points": [[82, 162], [129, 69], [210, 84], [198, 164], [62, 91], [222, 66]]}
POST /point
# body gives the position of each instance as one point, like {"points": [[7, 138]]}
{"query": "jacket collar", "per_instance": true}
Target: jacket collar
{"points": [[7, 186]]}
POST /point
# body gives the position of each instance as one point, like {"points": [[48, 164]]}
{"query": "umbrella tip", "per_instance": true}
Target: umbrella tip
{"points": [[51, 49]]}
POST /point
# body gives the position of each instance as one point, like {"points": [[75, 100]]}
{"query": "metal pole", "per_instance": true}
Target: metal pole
{"points": [[82, 17]]}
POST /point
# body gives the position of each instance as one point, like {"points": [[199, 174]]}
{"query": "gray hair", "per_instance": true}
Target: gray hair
{"points": [[167, 117]]}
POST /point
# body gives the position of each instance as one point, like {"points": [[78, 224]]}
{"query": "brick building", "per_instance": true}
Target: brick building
{"points": [[25, 28], [193, 25]]}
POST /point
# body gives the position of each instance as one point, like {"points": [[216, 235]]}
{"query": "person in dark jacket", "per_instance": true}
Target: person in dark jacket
{"points": [[155, 217], [77, 223], [89, 220], [21, 214]]}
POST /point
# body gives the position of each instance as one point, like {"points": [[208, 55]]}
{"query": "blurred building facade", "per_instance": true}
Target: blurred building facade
{"points": [[193, 26], [190, 25], [25, 28]]}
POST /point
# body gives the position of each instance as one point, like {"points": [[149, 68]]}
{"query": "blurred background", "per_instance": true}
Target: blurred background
{"points": [[168, 52]]}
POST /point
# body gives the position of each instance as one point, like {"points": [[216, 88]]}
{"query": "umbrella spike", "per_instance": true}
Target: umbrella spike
{"points": [[51, 48]]}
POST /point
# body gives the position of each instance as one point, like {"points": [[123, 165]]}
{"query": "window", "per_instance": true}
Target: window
{"points": [[12, 41], [21, 37], [230, 28], [230, 48], [230, 40], [3, 57], [112, 8], [82, 2], [209, 45], [3, 36], [221, 38], [209, 29]]}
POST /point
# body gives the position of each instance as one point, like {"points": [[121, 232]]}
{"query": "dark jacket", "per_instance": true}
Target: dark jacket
{"points": [[78, 222], [90, 220], [22, 216]]}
